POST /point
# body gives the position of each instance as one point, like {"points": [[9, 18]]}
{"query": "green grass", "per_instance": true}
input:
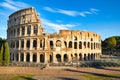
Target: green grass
{"points": [[15, 77], [101, 77]]}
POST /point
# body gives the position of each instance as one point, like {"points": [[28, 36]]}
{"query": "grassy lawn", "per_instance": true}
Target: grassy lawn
{"points": [[15, 77], [101, 77], [85, 77]]}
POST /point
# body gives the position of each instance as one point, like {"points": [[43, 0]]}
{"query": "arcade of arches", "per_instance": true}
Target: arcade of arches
{"points": [[44, 58], [29, 43]]}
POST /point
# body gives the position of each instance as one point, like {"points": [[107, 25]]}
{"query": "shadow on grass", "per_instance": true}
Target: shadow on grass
{"points": [[66, 78], [96, 74], [108, 69], [27, 78]]}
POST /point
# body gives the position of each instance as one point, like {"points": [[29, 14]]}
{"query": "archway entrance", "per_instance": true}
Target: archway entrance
{"points": [[28, 57], [41, 58], [58, 56], [34, 57], [65, 58]]}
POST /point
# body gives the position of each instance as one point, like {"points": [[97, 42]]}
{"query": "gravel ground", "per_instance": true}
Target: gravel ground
{"points": [[59, 73]]}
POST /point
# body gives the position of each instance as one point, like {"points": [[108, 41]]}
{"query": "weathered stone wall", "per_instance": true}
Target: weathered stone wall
{"points": [[28, 43]]}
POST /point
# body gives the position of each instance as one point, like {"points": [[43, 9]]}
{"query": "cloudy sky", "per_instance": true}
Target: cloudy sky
{"points": [[99, 16]]}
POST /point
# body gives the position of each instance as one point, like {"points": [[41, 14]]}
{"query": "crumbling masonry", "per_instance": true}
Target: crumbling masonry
{"points": [[28, 43]]}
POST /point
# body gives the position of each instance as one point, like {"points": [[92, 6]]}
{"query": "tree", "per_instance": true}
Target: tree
{"points": [[6, 54], [110, 42], [1, 54]]}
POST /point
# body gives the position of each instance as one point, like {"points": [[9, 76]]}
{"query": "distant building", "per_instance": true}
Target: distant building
{"points": [[28, 43]]}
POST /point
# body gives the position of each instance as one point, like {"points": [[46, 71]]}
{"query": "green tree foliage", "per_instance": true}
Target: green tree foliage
{"points": [[110, 42], [4, 52], [1, 54], [111, 45]]}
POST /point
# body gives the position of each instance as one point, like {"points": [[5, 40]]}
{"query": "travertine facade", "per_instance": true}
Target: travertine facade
{"points": [[28, 43]]}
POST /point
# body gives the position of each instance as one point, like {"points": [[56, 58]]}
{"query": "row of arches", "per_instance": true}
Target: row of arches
{"points": [[26, 57], [58, 43], [35, 57], [22, 30]]}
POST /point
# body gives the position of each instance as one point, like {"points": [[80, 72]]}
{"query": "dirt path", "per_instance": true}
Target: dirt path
{"points": [[59, 73]]}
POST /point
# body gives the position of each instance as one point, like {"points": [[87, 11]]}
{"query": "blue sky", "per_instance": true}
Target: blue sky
{"points": [[99, 16]]}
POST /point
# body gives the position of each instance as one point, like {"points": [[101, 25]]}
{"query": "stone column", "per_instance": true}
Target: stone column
{"points": [[46, 60], [20, 32], [32, 30], [25, 31], [82, 57], [38, 43], [24, 57], [54, 57], [45, 42], [31, 57], [31, 44], [19, 44], [24, 44], [38, 57], [62, 58]]}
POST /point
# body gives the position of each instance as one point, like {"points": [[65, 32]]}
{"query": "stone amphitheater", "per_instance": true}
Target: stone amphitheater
{"points": [[29, 43]]}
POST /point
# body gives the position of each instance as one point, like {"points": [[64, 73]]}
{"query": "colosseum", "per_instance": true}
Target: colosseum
{"points": [[29, 43]]}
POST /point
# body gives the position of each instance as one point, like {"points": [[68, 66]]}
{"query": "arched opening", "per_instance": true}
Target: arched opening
{"points": [[51, 44], [65, 58], [23, 30], [80, 56], [22, 57], [80, 45], [35, 44], [28, 57], [92, 56], [65, 44], [35, 29], [58, 56], [17, 44], [85, 57], [51, 58], [17, 58], [88, 44], [58, 43], [13, 44], [41, 58], [28, 44], [72, 56], [84, 44], [22, 44], [75, 45], [34, 57], [75, 38], [94, 45], [40, 43], [18, 31], [91, 45], [29, 29], [76, 56], [89, 57], [70, 44]]}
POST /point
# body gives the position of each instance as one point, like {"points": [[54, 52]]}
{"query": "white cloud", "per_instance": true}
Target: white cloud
{"points": [[93, 10], [7, 5], [71, 12], [67, 12], [55, 26], [13, 5], [49, 9]]}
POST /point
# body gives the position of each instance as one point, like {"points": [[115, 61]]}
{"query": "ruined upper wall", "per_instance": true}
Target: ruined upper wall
{"points": [[82, 35], [23, 16]]}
